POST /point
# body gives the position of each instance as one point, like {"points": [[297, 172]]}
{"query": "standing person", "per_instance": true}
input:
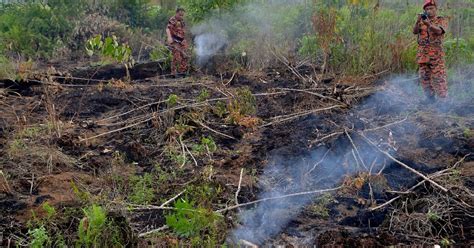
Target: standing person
{"points": [[430, 29], [175, 32]]}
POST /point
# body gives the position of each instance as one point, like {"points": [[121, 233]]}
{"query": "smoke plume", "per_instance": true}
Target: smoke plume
{"points": [[251, 28], [326, 166]]}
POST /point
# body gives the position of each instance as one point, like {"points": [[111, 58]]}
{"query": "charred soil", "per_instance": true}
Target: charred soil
{"points": [[75, 143]]}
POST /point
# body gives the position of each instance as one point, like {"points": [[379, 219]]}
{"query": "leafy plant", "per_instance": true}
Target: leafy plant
{"points": [[39, 237], [220, 109], [320, 207], [172, 100], [207, 145], [203, 95], [50, 210], [432, 216], [109, 48], [163, 54], [7, 69], [188, 221], [91, 226], [242, 107], [142, 189]]}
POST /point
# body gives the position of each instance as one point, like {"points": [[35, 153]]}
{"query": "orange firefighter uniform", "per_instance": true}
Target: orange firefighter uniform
{"points": [[176, 25], [430, 57]]}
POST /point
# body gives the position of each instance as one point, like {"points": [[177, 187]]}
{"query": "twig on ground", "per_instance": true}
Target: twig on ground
{"points": [[212, 130], [147, 118], [387, 125], [432, 176], [190, 154], [297, 115], [325, 137], [238, 188], [141, 235], [318, 163], [311, 93], [231, 79], [404, 165], [248, 243], [132, 110], [355, 148], [172, 199], [180, 141], [277, 198]]}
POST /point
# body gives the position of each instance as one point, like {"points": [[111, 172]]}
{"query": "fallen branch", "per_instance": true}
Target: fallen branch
{"points": [[318, 163], [133, 110], [247, 243], [357, 150], [297, 115], [212, 130], [386, 125], [278, 197], [231, 79], [141, 235], [238, 188], [172, 199], [404, 165], [190, 154], [325, 137], [432, 176], [311, 93], [180, 141]]}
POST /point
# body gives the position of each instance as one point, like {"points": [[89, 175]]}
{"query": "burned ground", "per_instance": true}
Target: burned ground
{"points": [[72, 143]]}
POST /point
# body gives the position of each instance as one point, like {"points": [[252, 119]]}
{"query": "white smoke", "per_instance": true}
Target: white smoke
{"points": [[250, 27], [207, 43], [325, 167]]}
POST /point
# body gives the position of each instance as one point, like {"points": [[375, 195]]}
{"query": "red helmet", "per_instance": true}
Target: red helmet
{"points": [[429, 2]]}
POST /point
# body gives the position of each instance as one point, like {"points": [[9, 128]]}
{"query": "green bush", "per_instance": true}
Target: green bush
{"points": [[199, 10], [188, 221], [33, 29], [39, 237], [92, 226], [138, 13], [309, 46], [142, 189], [7, 69], [98, 230], [459, 51]]}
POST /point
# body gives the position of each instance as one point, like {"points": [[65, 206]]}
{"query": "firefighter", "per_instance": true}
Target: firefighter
{"points": [[430, 30], [175, 32]]}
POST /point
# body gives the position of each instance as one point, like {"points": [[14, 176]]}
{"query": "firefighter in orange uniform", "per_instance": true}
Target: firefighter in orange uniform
{"points": [[175, 32], [430, 30]]}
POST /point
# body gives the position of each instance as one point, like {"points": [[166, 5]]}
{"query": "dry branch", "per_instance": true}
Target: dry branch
{"points": [[404, 165], [141, 235], [238, 188], [212, 130], [297, 115], [172, 199], [278, 198], [311, 93], [357, 150]]}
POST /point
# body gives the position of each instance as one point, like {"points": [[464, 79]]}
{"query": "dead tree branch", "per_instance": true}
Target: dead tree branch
{"points": [[278, 198], [404, 165]]}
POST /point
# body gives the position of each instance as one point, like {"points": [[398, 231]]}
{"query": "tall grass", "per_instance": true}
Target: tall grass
{"points": [[370, 37]]}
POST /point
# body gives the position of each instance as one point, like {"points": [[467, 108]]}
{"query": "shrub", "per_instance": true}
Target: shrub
{"points": [[39, 237], [91, 226], [188, 221], [142, 189], [33, 29]]}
